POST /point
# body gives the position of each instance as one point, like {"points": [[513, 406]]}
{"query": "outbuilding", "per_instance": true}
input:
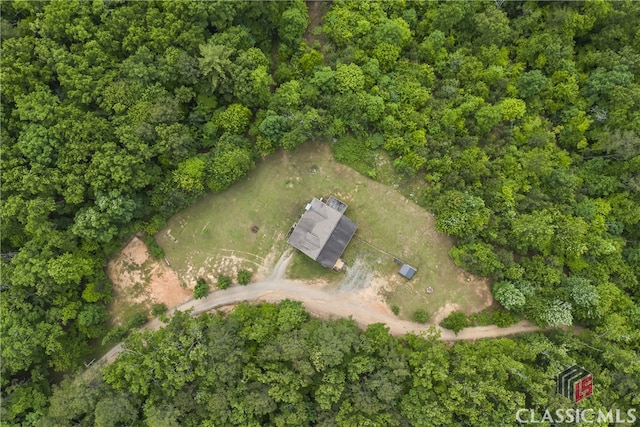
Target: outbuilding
{"points": [[407, 271]]}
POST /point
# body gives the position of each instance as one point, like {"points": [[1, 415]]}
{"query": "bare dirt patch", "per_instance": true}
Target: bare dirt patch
{"points": [[263, 271], [372, 295], [140, 280], [481, 287], [444, 311], [227, 263], [357, 278], [363, 287]]}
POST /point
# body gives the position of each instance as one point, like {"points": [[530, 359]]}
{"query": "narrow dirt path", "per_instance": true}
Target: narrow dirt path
{"points": [[324, 304], [315, 20]]}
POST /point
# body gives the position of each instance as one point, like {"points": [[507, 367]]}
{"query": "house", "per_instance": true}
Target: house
{"points": [[407, 271], [323, 232]]}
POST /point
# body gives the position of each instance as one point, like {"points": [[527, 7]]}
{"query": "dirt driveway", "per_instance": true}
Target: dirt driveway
{"points": [[321, 303]]}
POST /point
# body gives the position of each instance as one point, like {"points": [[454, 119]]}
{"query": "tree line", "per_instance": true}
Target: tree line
{"points": [[275, 365]]}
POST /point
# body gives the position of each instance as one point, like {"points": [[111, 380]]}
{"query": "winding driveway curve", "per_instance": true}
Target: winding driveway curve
{"points": [[322, 303]]}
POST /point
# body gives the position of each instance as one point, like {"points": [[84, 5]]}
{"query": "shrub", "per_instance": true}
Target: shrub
{"points": [[119, 333], [154, 248], [155, 224], [395, 309], [355, 153], [420, 316], [244, 277], [456, 321], [223, 281], [116, 334], [503, 319], [499, 317], [137, 320], [202, 289], [158, 309], [482, 318]]}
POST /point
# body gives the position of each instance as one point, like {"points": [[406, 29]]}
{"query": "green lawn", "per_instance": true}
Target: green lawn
{"points": [[214, 235]]}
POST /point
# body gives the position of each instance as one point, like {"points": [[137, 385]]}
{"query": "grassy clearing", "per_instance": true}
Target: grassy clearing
{"points": [[303, 267], [214, 235]]}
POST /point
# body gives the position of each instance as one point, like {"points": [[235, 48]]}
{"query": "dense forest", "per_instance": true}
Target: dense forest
{"points": [[524, 121], [522, 118], [273, 365]]}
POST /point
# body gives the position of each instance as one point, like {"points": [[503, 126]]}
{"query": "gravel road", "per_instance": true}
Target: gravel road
{"points": [[324, 304]]}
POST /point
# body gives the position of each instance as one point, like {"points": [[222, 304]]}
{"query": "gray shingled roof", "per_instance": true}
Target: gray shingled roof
{"points": [[323, 232], [332, 251]]}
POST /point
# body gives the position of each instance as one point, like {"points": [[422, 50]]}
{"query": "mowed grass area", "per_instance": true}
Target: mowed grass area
{"points": [[214, 235]]}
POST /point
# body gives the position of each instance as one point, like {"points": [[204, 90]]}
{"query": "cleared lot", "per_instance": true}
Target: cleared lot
{"points": [[214, 236]]}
